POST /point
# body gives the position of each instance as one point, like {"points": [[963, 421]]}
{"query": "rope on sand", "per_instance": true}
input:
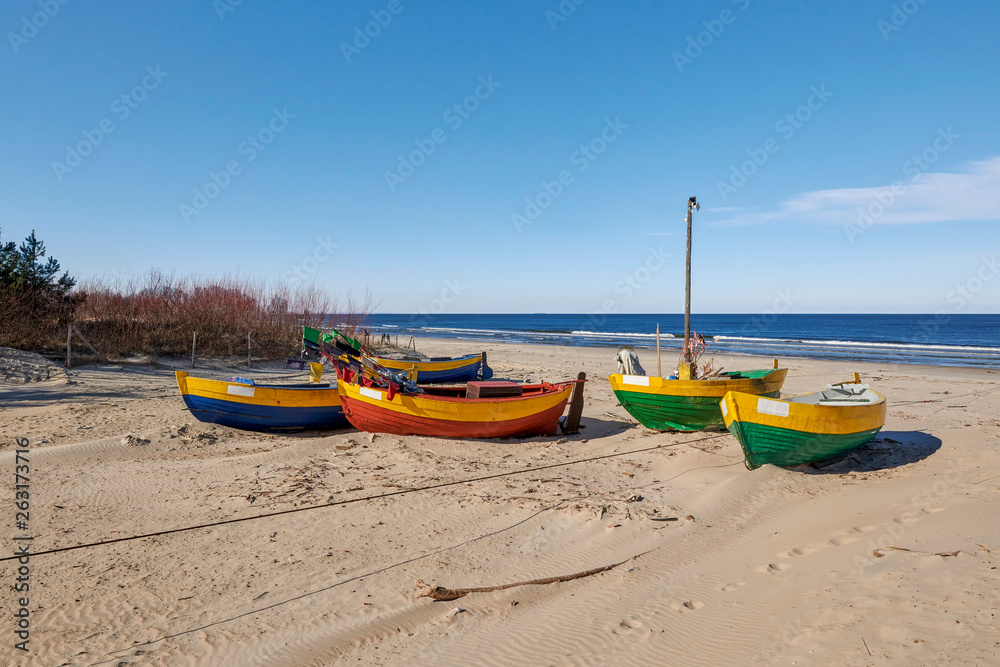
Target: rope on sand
{"points": [[349, 501]]}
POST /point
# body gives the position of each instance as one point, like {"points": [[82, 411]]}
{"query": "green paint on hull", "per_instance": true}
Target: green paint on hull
{"points": [[662, 412], [785, 447]]}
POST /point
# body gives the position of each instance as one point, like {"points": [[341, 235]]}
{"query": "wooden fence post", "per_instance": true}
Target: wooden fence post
{"points": [[248, 349], [194, 344], [576, 405], [87, 343], [69, 346]]}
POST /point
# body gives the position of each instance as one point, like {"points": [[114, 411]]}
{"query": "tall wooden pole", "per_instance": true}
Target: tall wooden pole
{"points": [[692, 202], [659, 368]]}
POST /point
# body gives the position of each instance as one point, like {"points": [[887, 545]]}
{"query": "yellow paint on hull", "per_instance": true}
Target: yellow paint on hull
{"points": [[235, 392], [397, 365], [769, 383], [826, 419], [456, 410]]}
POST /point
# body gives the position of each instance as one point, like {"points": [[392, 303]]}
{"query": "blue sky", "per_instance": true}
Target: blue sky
{"points": [[516, 156]]}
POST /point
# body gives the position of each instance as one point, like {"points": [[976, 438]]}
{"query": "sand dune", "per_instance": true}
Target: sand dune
{"points": [[890, 550]]}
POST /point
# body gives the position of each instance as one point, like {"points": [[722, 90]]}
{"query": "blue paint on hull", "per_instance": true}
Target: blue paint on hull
{"points": [[463, 374], [265, 417]]}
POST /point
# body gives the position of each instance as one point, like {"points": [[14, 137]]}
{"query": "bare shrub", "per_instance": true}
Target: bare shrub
{"points": [[157, 314]]}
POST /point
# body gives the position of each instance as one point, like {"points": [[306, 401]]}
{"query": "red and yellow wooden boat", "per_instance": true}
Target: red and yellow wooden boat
{"points": [[447, 412]]}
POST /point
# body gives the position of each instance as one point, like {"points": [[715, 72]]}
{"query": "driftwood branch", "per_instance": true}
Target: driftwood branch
{"points": [[879, 553], [443, 594]]}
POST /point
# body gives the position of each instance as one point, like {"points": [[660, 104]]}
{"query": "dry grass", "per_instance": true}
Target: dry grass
{"points": [[29, 319], [157, 314]]}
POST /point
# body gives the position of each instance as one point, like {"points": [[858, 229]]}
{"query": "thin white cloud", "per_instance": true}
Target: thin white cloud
{"points": [[972, 194]]}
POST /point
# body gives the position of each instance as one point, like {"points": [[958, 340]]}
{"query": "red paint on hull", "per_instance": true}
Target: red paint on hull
{"points": [[366, 417]]}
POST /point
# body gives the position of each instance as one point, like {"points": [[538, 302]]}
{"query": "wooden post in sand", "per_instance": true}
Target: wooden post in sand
{"points": [[659, 369], [248, 349], [87, 343], [576, 406], [194, 345], [69, 346]]}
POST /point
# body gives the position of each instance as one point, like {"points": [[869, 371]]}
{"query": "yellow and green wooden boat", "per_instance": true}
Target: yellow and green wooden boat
{"points": [[689, 405], [686, 403], [804, 429]]}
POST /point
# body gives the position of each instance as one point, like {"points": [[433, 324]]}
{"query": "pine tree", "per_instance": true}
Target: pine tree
{"points": [[34, 298]]}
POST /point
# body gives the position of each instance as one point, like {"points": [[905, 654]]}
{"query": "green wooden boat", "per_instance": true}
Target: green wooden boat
{"points": [[804, 429], [689, 405]]}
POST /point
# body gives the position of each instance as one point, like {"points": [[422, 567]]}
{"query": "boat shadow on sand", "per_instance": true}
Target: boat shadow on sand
{"points": [[890, 449]]}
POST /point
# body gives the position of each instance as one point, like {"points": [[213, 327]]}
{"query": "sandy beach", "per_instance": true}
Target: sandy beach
{"points": [[884, 557]]}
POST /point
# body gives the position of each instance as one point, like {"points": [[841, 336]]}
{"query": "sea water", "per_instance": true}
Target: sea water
{"points": [[947, 340]]}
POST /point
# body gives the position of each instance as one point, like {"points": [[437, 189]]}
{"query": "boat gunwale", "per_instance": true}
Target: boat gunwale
{"points": [[706, 388], [548, 389]]}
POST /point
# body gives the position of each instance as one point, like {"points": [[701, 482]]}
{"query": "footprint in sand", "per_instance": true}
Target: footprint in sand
{"points": [[841, 541], [863, 529], [932, 510], [732, 587], [627, 627], [687, 605], [773, 568], [798, 551]]}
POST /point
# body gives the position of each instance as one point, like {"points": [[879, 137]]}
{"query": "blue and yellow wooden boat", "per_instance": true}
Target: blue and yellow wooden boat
{"points": [[804, 429], [459, 369], [246, 405], [425, 371]]}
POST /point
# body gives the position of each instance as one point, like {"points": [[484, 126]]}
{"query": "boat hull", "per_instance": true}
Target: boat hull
{"points": [[269, 408], [462, 369], [799, 433], [688, 405], [371, 410]]}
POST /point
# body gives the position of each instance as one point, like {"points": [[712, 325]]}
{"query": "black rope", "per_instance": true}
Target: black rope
{"points": [[356, 577], [358, 500]]}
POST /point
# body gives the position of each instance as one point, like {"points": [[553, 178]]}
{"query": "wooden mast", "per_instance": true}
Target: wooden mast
{"points": [[685, 370]]}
